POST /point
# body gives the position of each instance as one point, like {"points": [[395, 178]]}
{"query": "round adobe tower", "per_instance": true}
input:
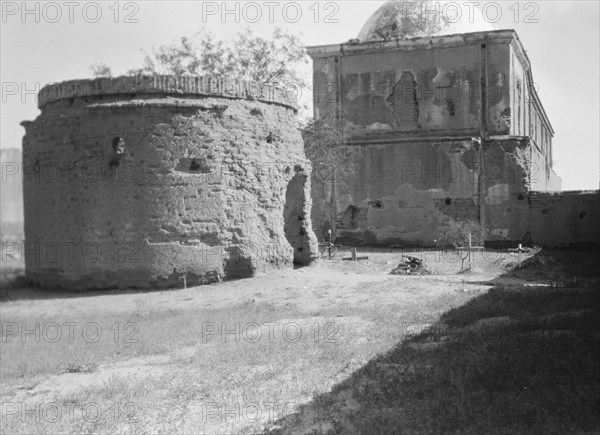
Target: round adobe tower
{"points": [[144, 182]]}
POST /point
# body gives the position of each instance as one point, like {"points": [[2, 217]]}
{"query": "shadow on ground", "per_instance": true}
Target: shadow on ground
{"points": [[521, 358]]}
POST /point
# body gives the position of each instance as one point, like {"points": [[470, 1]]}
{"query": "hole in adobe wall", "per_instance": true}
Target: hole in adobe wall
{"points": [[270, 138], [520, 197], [376, 204], [351, 217], [194, 165], [118, 149], [293, 215], [450, 106], [448, 201], [238, 264], [582, 215]]}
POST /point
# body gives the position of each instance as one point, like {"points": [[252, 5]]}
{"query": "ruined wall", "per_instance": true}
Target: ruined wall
{"points": [[407, 92], [401, 191], [447, 126], [457, 85], [550, 219], [514, 167], [149, 181], [560, 219], [507, 163]]}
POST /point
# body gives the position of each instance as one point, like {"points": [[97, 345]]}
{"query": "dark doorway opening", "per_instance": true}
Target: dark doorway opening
{"points": [[295, 218]]}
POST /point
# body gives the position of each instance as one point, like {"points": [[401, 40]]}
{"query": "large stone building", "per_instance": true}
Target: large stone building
{"points": [[447, 125], [163, 181]]}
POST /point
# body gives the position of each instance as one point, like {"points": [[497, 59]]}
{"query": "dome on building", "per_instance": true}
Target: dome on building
{"points": [[401, 19]]}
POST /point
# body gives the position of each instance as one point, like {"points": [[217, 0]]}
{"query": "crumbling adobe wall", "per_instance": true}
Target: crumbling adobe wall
{"points": [[156, 181], [411, 92], [453, 85], [514, 167], [564, 219], [505, 186], [402, 190]]}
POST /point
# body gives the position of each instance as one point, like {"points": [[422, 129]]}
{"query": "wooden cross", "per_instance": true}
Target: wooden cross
{"points": [[469, 249]]}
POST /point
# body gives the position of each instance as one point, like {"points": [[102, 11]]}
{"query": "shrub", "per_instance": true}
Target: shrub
{"points": [[455, 233]]}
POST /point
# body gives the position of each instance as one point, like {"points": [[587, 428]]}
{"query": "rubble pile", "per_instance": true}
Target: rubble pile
{"points": [[411, 266]]}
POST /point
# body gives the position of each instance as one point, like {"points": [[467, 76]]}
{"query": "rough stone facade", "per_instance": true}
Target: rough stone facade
{"points": [[163, 182], [447, 126]]}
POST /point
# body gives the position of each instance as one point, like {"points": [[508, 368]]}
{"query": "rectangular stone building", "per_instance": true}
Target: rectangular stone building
{"points": [[446, 125]]}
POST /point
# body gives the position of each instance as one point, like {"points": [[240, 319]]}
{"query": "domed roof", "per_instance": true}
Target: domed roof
{"points": [[402, 19]]}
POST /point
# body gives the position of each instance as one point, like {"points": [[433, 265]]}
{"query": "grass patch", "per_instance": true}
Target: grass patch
{"points": [[352, 353], [505, 362]]}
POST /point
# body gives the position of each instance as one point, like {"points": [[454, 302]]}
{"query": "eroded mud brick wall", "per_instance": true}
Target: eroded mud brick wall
{"points": [[153, 181]]}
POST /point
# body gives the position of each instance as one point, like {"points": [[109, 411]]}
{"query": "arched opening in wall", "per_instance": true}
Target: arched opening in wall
{"points": [[294, 218]]}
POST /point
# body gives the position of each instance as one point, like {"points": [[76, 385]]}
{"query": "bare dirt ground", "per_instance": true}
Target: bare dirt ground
{"points": [[268, 353]]}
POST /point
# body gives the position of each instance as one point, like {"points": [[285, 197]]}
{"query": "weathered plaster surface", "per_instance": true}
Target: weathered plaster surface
{"points": [[513, 170], [402, 190]]}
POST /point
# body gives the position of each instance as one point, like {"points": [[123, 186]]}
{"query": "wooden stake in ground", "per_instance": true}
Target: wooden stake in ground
{"points": [[518, 250], [469, 249]]}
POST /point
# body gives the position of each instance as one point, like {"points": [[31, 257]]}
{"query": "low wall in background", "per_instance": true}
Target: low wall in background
{"points": [[561, 219]]}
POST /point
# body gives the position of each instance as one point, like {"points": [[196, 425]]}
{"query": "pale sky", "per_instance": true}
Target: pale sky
{"points": [[563, 46]]}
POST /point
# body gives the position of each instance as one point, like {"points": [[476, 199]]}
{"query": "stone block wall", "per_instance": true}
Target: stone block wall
{"points": [[162, 182]]}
